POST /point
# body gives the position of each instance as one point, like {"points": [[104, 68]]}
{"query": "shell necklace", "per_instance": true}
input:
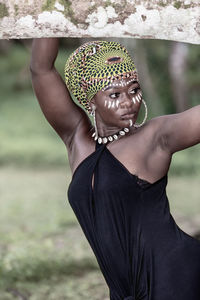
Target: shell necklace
{"points": [[104, 140]]}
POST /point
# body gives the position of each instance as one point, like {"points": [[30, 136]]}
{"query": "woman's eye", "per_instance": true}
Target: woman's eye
{"points": [[133, 91], [114, 95]]}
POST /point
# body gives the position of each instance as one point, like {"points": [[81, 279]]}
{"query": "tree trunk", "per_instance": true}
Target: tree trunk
{"points": [[155, 19], [178, 70], [145, 78]]}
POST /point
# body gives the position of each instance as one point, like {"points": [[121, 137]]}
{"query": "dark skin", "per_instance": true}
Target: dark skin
{"points": [[110, 121], [145, 151]]}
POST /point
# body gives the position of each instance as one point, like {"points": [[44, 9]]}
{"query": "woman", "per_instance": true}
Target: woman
{"points": [[118, 187]]}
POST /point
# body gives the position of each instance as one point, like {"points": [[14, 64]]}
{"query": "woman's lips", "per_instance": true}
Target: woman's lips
{"points": [[127, 116]]}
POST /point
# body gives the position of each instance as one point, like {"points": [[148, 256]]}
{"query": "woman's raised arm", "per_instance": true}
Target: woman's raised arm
{"points": [[51, 91], [181, 130]]}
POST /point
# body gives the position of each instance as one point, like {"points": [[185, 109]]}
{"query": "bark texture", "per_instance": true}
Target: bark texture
{"points": [[154, 19]]}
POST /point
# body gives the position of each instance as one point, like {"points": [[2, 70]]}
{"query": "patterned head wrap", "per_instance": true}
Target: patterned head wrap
{"points": [[95, 65]]}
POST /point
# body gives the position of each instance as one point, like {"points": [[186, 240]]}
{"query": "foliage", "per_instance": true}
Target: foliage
{"points": [[43, 251], [157, 57]]}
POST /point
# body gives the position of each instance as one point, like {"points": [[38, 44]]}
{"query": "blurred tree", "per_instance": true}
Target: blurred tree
{"points": [[5, 46], [147, 82], [178, 67]]}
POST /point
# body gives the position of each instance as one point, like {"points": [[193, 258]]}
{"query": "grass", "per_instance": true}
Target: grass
{"points": [[43, 251], [183, 194], [27, 139]]}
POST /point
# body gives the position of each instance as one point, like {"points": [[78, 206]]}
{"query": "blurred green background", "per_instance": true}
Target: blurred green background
{"points": [[43, 252]]}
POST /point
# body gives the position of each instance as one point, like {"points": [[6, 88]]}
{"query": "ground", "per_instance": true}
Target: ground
{"points": [[43, 252]]}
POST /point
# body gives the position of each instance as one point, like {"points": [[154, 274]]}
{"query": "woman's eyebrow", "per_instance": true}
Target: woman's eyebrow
{"points": [[111, 87]]}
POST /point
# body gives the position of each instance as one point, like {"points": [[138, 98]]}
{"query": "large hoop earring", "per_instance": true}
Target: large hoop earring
{"points": [[95, 124], [145, 117]]}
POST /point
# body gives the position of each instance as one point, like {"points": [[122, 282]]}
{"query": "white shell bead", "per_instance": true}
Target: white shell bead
{"points": [[126, 129], [100, 140], [110, 138], [115, 137], [122, 132], [105, 140], [93, 134]]}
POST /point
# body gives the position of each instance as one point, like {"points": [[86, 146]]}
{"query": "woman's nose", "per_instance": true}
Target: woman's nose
{"points": [[126, 102]]}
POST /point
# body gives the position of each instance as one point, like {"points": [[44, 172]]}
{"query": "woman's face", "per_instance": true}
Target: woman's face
{"points": [[116, 105]]}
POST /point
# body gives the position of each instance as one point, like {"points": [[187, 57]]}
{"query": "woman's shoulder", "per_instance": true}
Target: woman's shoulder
{"points": [[155, 125], [150, 134], [156, 122], [150, 127]]}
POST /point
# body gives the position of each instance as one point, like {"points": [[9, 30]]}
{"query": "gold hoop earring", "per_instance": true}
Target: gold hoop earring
{"points": [[145, 117]]}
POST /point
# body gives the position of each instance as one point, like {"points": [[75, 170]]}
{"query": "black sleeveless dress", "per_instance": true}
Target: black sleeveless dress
{"points": [[141, 251]]}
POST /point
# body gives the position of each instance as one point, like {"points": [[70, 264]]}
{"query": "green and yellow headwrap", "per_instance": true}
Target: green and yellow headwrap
{"points": [[95, 65]]}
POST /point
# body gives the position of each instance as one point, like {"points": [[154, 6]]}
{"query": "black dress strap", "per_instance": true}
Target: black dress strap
{"points": [[99, 145]]}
